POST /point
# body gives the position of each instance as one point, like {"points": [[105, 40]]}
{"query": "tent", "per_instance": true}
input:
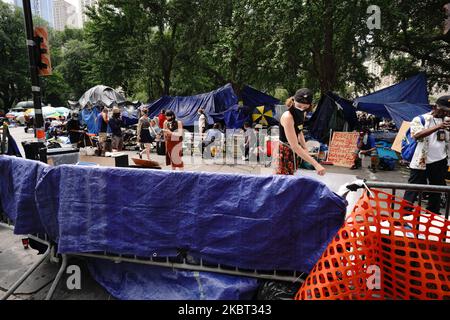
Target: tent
{"points": [[185, 108], [101, 95], [219, 105], [333, 112], [400, 102]]}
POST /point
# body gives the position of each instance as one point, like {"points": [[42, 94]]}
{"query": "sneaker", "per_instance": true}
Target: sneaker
{"points": [[354, 167]]}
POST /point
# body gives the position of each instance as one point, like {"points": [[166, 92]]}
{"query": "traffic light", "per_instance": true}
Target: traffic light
{"points": [[43, 51]]}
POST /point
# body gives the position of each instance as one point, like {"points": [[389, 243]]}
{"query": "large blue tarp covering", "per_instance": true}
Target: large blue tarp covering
{"points": [[402, 101], [186, 108], [219, 105], [251, 222]]}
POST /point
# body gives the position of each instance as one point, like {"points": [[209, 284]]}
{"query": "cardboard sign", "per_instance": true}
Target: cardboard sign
{"points": [[342, 149], [397, 145]]}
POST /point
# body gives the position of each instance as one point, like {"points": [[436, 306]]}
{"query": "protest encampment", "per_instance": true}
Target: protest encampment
{"points": [[229, 151]]}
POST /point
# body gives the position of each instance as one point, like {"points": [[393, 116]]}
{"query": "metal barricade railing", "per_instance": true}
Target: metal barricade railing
{"points": [[421, 189]]}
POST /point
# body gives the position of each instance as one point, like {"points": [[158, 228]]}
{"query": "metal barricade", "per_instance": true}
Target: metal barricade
{"points": [[397, 188]]}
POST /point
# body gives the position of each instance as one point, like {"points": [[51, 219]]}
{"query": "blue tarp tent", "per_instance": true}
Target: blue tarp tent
{"points": [[254, 98], [219, 105], [400, 102], [332, 113], [186, 108]]}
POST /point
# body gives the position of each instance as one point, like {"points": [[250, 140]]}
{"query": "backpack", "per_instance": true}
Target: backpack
{"points": [[409, 144]]}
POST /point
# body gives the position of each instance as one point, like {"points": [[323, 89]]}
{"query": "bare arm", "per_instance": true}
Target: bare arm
{"points": [[302, 141], [288, 124]]}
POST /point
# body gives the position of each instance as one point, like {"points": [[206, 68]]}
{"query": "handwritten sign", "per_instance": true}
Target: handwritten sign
{"points": [[397, 145], [342, 148]]}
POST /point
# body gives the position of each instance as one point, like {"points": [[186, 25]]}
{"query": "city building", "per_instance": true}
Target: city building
{"points": [[84, 5], [65, 15], [41, 8]]}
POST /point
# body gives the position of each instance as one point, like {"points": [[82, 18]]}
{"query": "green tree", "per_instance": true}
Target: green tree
{"points": [[14, 80], [411, 39]]}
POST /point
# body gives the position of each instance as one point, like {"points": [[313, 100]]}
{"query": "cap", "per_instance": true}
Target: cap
{"points": [[116, 110], [443, 103], [304, 95]]}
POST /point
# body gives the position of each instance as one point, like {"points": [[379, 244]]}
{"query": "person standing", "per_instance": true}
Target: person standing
{"points": [[115, 123], [143, 134], [201, 123], [102, 124], [429, 164], [292, 141], [74, 129], [173, 135], [249, 141]]}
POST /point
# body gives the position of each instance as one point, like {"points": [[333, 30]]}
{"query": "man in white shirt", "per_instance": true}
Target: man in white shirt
{"points": [[429, 164]]}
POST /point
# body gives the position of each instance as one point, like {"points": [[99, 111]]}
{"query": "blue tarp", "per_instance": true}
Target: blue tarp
{"points": [[219, 105], [400, 102], [235, 117], [17, 191], [128, 281], [89, 118], [404, 111], [254, 98], [332, 113], [252, 222], [186, 108]]}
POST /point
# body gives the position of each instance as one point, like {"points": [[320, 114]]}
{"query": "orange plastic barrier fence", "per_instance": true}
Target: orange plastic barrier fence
{"points": [[384, 252]]}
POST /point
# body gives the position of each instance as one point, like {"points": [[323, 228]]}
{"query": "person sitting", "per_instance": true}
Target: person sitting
{"points": [[365, 146], [213, 136]]}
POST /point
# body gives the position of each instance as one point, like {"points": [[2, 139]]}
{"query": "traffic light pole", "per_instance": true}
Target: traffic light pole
{"points": [[34, 73]]}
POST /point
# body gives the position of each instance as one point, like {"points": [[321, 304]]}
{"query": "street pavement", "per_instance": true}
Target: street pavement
{"points": [[14, 259]]}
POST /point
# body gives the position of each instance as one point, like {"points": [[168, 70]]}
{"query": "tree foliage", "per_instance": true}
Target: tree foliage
{"points": [[152, 48]]}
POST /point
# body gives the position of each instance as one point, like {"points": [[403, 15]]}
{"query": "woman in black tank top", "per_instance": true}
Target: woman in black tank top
{"points": [[292, 141]]}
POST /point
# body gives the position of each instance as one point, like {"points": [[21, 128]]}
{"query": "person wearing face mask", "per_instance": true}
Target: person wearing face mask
{"points": [[292, 141], [429, 164]]}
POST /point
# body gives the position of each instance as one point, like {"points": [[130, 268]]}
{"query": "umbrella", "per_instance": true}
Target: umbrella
{"points": [[54, 115], [101, 95], [46, 111], [63, 111], [263, 115]]}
